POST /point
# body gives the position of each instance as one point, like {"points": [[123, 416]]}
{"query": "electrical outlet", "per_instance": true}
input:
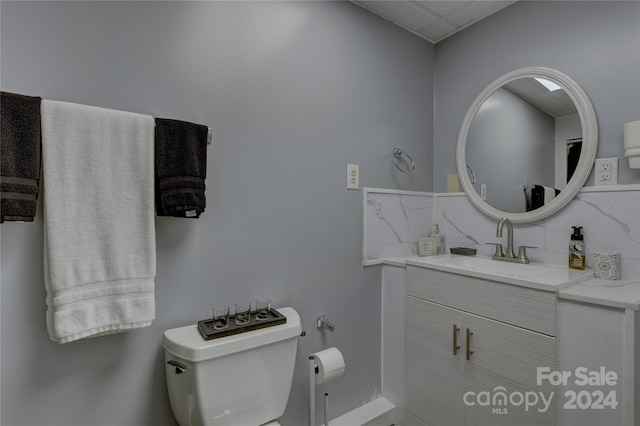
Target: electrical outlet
{"points": [[606, 171], [353, 176]]}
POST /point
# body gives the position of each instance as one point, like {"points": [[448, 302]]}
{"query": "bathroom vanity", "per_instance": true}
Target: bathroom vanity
{"points": [[506, 342], [493, 343]]}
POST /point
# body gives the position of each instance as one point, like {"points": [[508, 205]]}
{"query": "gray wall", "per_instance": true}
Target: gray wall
{"points": [[597, 43], [294, 91]]}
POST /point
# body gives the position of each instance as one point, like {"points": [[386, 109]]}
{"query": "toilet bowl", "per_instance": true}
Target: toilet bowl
{"points": [[241, 379]]}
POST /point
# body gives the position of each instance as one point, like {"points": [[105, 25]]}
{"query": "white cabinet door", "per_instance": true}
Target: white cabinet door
{"points": [[504, 361], [434, 376], [444, 388], [591, 339]]}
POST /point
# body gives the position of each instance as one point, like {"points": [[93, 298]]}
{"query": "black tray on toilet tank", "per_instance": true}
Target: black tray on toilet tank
{"points": [[208, 332]]}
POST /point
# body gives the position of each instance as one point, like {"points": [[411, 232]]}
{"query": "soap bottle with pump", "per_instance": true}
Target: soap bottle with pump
{"points": [[577, 252], [435, 233]]}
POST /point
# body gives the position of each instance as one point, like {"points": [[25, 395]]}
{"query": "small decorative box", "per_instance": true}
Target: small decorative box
{"points": [[427, 246], [607, 265]]}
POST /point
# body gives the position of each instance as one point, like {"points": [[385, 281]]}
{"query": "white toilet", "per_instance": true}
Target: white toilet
{"points": [[242, 379]]}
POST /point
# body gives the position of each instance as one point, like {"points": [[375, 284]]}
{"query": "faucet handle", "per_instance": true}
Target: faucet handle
{"points": [[499, 252], [522, 253]]}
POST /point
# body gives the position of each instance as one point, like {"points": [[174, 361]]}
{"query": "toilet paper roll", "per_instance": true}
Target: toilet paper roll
{"points": [[329, 365]]}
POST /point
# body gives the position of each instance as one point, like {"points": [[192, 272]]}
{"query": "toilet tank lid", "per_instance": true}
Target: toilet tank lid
{"points": [[187, 342]]}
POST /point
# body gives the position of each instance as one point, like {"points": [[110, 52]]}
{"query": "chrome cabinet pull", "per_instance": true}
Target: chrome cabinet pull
{"points": [[456, 329], [469, 351]]}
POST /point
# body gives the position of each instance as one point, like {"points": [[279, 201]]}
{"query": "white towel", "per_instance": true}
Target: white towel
{"points": [[99, 223]]}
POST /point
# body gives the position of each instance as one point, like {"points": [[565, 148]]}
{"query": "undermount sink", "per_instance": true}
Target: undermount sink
{"points": [[541, 276]]}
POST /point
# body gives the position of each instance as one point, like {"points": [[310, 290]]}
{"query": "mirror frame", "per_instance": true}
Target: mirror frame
{"points": [[587, 156]]}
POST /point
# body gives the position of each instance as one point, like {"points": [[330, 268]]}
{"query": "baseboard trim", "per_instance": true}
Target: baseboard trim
{"points": [[379, 412]]}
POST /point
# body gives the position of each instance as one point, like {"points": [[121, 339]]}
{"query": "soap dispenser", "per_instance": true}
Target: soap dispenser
{"points": [[577, 253], [435, 233]]}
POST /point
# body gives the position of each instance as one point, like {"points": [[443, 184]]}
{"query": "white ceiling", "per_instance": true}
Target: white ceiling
{"points": [[433, 20], [556, 103], [436, 20]]}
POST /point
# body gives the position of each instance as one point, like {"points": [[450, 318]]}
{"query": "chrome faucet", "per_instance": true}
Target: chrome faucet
{"points": [[501, 224], [510, 255]]}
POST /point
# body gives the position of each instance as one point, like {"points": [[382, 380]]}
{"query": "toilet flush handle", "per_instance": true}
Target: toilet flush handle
{"points": [[180, 368]]}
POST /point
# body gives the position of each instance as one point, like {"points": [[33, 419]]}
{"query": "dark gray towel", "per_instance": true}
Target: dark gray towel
{"points": [[19, 156], [181, 168], [538, 196]]}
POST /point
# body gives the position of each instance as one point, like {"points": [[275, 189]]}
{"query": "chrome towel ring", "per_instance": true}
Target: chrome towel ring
{"points": [[408, 161]]}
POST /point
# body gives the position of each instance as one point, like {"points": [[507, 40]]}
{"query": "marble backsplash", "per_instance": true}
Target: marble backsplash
{"points": [[394, 220], [392, 223]]}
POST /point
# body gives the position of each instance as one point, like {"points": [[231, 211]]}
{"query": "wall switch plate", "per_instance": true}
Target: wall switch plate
{"points": [[353, 176], [606, 171], [453, 182], [483, 191]]}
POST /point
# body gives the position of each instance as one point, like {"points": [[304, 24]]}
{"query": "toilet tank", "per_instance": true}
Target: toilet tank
{"points": [[242, 379]]}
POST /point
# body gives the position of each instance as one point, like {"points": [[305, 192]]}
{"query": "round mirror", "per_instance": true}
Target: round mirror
{"points": [[527, 145]]}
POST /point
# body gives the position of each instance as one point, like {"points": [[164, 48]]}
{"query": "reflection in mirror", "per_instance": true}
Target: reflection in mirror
{"points": [[530, 146], [534, 134]]}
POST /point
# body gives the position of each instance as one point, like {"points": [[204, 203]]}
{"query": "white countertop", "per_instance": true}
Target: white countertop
{"points": [[569, 284], [397, 261], [623, 294], [538, 276]]}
